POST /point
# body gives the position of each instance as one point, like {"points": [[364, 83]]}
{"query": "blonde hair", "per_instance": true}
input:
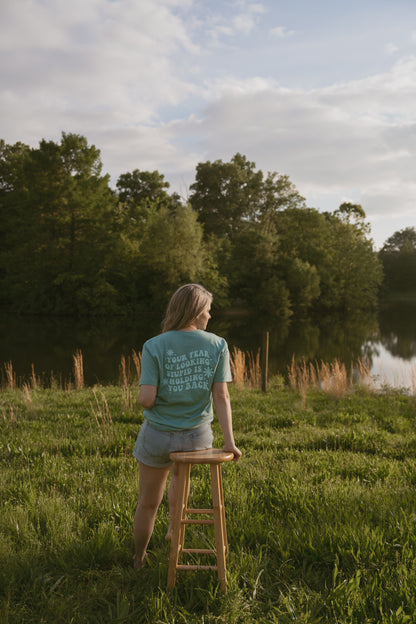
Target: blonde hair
{"points": [[185, 305]]}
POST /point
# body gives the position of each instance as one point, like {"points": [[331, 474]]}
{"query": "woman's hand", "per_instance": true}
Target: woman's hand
{"points": [[231, 448]]}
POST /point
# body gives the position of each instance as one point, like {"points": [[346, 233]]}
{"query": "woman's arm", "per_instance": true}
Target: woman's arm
{"points": [[147, 395], [222, 405]]}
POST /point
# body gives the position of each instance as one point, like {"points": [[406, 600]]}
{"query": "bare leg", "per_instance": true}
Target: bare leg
{"points": [[172, 501], [152, 483]]}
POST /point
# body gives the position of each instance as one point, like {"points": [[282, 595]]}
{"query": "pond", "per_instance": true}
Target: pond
{"points": [[386, 340]]}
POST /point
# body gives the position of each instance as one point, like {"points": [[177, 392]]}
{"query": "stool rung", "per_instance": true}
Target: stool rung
{"points": [[199, 511], [199, 551], [196, 567], [196, 521]]}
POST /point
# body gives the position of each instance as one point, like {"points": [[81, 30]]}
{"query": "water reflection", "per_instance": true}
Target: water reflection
{"points": [[398, 330], [49, 343], [325, 339]]}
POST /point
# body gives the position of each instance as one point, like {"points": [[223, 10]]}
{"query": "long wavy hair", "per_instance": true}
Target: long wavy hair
{"points": [[185, 305]]}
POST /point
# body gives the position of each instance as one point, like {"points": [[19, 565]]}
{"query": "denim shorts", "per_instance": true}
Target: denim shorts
{"points": [[153, 446]]}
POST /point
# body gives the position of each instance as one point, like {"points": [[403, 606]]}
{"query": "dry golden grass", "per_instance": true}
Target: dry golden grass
{"points": [[33, 378], [300, 378], [238, 365], [10, 375], [335, 380], [363, 372], [245, 368], [102, 415], [137, 361], [27, 394], [78, 370], [124, 382], [130, 369], [332, 377]]}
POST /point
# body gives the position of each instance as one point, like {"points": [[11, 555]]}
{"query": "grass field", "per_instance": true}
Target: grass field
{"points": [[321, 511]]}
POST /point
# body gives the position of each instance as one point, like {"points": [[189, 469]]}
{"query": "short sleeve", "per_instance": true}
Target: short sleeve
{"points": [[223, 370], [150, 368]]}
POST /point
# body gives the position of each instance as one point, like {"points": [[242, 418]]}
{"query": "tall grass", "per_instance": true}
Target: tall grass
{"points": [[78, 370], [10, 375], [33, 378], [333, 378], [246, 368], [130, 369], [102, 416], [320, 510]]}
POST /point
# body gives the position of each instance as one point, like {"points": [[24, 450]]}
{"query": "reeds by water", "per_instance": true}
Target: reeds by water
{"points": [[10, 375], [333, 378], [78, 370], [246, 368], [130, 369]]}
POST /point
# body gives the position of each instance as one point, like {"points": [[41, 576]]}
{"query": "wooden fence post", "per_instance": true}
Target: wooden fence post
{"points": [[265, 361]]}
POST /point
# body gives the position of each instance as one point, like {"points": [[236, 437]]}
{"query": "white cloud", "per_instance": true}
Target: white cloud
{"points": [[103, 56], [357, 136], [243, 23], [249, 6], [281, 32], [391, 48]]}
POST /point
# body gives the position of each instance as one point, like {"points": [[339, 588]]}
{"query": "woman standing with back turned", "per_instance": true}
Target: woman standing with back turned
{"points": [[184, 370]]}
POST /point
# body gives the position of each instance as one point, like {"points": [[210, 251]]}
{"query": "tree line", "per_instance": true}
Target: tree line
{"points": [[70, 244], [398, 257]]}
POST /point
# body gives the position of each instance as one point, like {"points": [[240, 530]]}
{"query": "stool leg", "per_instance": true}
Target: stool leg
{"points": [[218, 507], [185, 505], [178, 530], [221, 492]]}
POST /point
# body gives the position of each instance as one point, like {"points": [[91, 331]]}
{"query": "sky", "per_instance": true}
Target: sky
{"points": [[323, 91]]}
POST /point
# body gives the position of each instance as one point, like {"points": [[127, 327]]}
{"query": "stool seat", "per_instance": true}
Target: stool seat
{"points": [[185, 460], [206, 456]]}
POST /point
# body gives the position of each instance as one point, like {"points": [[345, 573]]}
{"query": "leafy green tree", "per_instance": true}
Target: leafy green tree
{"points": [[348, 212], [305, 234], [278, 194], [173, 252], [12, 163], [250, 271], [222, 194], [59, 213], [398, 257], [138, 191], [302, 280], [275, 252], [237, 205], [69, 244], [401, 241], [164, 241], [337, 247], [357, 270], [263, 277], [227, 196]]}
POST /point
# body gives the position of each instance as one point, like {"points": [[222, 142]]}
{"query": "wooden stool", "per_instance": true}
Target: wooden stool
{"points": [[185, 460]]}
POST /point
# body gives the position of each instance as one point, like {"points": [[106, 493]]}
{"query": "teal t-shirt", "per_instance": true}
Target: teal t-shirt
{"points": [[183, 365]]}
